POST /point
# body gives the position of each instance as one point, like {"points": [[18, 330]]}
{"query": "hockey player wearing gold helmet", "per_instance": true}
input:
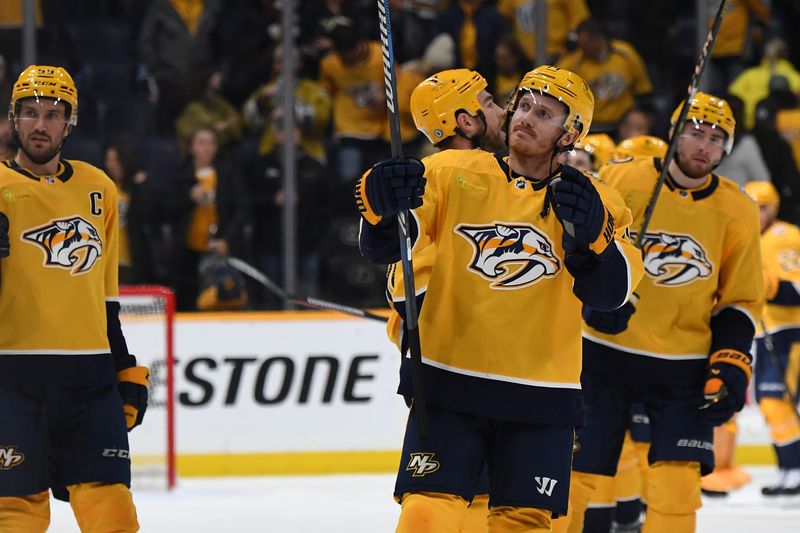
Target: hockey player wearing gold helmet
{"points": [[684, 352], [499, 328], [69, 389], [777, 374]]}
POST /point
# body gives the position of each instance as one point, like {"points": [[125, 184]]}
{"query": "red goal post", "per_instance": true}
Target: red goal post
{"points": [[147, 314]]}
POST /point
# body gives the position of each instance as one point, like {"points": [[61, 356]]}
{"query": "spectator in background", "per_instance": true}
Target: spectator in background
{"points": [[476, 27], [512, 64], [752, 85], [136, 210], [352, 74], [213, 111], [613, 69], [745, 162], [266, 193], [5, 86], [210, 210], [317, 17], [312, 110], [635, 122], [734, 40], [563, 16], [8, 148], [178, 49]]}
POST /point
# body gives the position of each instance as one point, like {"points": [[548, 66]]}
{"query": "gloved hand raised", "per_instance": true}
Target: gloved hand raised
{"points": [[390, 186], [611, 322], [587, 223], [132, 385], [726, 386]]}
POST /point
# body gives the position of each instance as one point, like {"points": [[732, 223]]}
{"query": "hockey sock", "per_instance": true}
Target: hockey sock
{"points": [[475, 519], [673, 497], [642, 451], [103, 508], [25, 514], [431, 512], [504, 519], [784, 427], [581, 487]]}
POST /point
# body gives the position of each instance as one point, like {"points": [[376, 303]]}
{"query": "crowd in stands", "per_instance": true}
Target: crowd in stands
{"points": [[181, 104]]}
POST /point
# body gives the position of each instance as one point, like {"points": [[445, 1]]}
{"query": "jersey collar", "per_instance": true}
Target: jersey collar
{"points": [[63, 173], [512, 176], [697, 194]]}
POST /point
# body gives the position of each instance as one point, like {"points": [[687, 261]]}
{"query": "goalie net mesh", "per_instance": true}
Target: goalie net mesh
{"points": [[147, 315]]}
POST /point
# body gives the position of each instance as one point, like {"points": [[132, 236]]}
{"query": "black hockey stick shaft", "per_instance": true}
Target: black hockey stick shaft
{"points": [[404, 224], [776, 360], [697, 77], [313, 303]]}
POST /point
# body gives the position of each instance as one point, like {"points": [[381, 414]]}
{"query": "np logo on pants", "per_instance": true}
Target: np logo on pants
{"points": [[10, 457], [545, 485], [422, 464]]}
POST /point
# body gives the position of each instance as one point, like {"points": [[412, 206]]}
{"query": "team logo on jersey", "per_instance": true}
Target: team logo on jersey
{"points": [[511, 256], [673, 259], [71, 243], [10, 457], [422, 464]]}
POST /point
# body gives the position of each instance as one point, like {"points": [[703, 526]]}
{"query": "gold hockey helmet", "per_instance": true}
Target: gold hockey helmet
{"points": [[566, 87], [599, 146], [763, 192], [40, 81], [641, 145], [709, 109], [436, 100]]}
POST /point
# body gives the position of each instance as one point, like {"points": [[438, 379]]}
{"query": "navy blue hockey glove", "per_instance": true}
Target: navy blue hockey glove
{"points": [[610, 322], [5, 245], [132, 385], [390, 186], [726, 386], [587, 223]]}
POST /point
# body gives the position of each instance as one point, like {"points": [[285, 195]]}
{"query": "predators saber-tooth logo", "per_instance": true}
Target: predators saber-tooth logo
{"points": [[673, 259], [10, 457], [511, 256], [422, 464], [71, 243]]}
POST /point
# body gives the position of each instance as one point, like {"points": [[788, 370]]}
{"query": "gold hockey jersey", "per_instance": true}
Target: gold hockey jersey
{"points": [[62, 267], [701, 255], [780, 251], [498, 304]]}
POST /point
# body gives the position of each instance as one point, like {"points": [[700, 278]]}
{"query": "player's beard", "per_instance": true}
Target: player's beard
{"points": [[44, 156], [694, 171], [493, 141]]}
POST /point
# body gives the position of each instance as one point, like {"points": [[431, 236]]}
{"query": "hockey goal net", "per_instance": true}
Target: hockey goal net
{"points": [[147, 315]]}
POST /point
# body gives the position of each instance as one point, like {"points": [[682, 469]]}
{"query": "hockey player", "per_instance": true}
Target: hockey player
{"points": [[591, 153], [69, 389], [777, 371], [501, 355], [454, 111], [683, 353]]}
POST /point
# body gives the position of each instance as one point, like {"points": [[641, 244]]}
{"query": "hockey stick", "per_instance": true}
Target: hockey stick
{"points": [[697, 76], [313, 303], [773, 354], [404, 224]]}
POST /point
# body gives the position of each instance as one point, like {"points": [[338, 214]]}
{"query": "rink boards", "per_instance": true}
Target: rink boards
{"points": [[290, 393]]}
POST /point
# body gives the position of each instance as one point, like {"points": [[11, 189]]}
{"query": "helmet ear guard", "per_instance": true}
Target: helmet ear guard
{"points": [[711, 110], [39, 81]]}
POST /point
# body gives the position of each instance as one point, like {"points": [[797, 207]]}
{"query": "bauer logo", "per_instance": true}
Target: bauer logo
{"points": [[545, 485], [694, 443], [10, 457], [511, 256], [422, 464], [69, 243], [674, 259]]}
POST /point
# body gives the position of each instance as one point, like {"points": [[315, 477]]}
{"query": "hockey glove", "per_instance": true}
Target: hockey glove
{"points": [[390, 186], [5, 245], [726, 385], [611, 322], [132, 385], [587, 223]]}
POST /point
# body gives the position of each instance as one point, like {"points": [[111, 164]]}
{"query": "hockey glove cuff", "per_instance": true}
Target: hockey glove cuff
{"points": [[5, 244], [610, 322], [390, 186], [726, 385], [132, 386]]}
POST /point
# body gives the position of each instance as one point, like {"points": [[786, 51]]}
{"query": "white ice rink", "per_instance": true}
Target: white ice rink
{"points": [[363, 504]]}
